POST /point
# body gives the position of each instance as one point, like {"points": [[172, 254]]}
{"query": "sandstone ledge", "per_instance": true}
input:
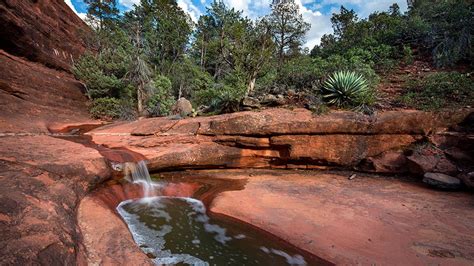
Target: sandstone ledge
{"points": [[280, 138]]}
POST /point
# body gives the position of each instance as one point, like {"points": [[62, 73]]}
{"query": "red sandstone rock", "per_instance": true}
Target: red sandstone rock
{"points": [[42, 179], [243, 141], [45, 31], [247, 139], [106, 238], [364, 221], [34, 98], [301, 121], [428, 159], [340, 149], [387, 162]]}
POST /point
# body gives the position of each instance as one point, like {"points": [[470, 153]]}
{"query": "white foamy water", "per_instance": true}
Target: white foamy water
{"points": [[138, 173], [156, 220]]}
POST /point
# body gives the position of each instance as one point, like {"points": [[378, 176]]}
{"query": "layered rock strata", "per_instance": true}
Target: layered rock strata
{"points": [[282, 138]]}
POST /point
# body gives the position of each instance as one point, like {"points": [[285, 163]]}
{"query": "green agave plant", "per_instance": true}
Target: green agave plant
{"points": [[344, 88]]}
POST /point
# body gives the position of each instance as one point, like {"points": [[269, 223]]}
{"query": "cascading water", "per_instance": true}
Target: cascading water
{"points": [[176, 230], [137, 173]]}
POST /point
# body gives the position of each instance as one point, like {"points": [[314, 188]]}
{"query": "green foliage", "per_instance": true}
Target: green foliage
{"points": [[441, 28], [90, 70], [287, 27], [345, 88], [229, 44], [101, 13], [149, 56], [161, 100], [188, 78], [221, 98], [165, 32], [439, 90], [299, 73], [105, 108], [449, 29], [355, 63], [407, 55]]}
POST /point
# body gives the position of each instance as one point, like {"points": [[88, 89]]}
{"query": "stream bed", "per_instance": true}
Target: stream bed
{"points": [[175, 230]]}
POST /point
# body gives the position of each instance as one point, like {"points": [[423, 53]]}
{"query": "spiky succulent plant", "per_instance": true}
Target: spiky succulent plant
{"points": [[344, 88]]}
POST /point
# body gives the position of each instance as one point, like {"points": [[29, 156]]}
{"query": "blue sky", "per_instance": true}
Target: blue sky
{"points": [[316, 12]]}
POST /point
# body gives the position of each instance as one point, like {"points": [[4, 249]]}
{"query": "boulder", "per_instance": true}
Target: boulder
{"points": [[182, 107], [272, 100], [387, 162], [251, 102], [430, 160], [442, 181], [467, 179]]}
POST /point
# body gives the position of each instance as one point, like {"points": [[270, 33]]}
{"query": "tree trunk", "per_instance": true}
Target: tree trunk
{"points": [[140, 100], [202, 53], [251, 85]]}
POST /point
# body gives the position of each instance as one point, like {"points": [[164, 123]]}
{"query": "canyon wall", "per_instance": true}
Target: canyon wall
{"points": [[42, 178], [45, 31]]}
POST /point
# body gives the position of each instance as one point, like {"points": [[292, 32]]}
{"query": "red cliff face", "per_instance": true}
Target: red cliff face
{"points": [[45, 31]]}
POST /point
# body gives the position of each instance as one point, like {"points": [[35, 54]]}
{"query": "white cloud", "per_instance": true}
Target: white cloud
{"points": [[365, 7], [190, 8], [250, 8], [81, 15], [320, 24], [129, 3]]}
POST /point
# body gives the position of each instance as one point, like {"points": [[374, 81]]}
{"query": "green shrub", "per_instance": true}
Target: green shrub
{"points": [[98, 84], [161, 100], [298, 73], [407, 55], [439, 90], [106, 108], [345, 88], [357, 63], [221, 98]]}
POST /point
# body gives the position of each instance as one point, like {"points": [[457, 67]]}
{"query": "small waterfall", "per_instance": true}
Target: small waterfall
{"points": [[137, 173]]}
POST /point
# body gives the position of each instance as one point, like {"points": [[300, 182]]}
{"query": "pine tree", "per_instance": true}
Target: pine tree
{"points": [[288, 27], [101, 12]]}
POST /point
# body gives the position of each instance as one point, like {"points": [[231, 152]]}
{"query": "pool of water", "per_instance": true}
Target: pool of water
{"points": [[177, 230]]}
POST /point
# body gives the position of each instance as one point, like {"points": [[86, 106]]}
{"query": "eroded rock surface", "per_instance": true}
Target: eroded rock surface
{"points": [[280, 138], [45, 31], [368, 220], [34, 98], [42, 180]]}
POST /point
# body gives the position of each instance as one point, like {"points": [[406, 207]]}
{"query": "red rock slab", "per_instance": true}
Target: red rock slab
{"points": [[34, 98], [301, 121], [366, 221], [105, 236], [42, 179], [188, 151], [341, 149], [277, 121]]}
